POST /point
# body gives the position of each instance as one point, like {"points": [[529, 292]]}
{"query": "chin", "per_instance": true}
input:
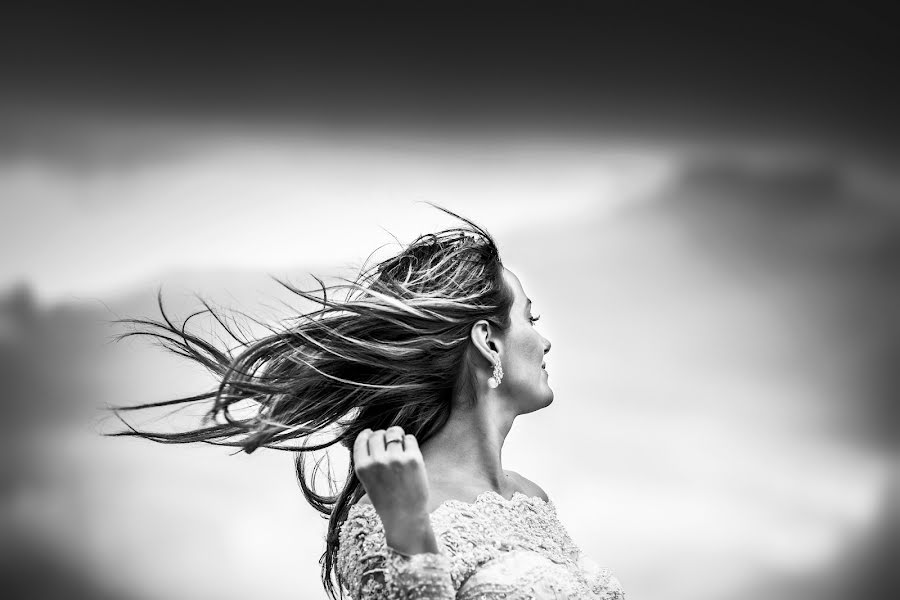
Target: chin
{"points": [[544, 401]]}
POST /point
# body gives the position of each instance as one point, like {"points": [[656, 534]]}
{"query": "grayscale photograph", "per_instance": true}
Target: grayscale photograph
{"points": [[449, 301]]}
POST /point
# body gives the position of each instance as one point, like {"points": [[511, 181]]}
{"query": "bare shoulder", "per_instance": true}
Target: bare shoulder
{"points": [[528, 487]]}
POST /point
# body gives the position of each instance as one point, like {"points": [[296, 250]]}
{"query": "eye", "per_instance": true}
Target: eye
{"points": [[534, 319]]}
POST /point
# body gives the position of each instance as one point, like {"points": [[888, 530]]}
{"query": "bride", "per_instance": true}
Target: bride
{"points": [[420, 370]]}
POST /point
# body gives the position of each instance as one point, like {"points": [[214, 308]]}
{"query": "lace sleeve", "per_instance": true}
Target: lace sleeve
{"points": [[372, 570], [603, 583]]}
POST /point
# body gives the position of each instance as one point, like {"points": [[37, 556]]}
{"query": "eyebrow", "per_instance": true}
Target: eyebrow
{"points": [[527, 304]]}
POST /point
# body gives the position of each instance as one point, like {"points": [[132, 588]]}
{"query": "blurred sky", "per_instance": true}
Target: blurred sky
{"points": [[702, 205]]}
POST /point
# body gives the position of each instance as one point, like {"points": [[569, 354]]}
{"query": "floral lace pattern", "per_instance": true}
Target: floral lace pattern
{"points": [[492, 548]]}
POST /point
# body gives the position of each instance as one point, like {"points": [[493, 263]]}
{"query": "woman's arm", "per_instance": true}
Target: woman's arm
{"points": [[371, 569], [393, 553], [410, 534]]}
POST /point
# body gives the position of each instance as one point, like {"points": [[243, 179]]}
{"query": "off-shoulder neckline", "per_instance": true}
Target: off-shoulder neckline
{"points": [[483, 497]]}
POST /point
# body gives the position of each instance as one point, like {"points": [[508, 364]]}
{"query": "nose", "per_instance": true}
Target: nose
{"points": [[547, 345]]}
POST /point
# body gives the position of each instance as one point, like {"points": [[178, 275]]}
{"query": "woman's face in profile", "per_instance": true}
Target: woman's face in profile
{"points": [[525, 381]]}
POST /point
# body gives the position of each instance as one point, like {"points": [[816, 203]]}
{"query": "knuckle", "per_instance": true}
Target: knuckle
{"points": [[376, 467], [410, 460], [396, 461]]}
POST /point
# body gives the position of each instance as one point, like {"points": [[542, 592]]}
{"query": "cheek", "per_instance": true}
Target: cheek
{"points": [[537, 347], [531, 351]]}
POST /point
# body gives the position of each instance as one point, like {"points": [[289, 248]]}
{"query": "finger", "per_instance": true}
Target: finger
{"points": [[394, 433], [376, 445], [411, 444], [393, 447], [361, 447]]}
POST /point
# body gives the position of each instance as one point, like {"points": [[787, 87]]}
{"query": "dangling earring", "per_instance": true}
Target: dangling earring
{"points": [[494, 381]]}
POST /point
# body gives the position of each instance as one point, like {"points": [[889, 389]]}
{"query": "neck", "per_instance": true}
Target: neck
{"points": [[467, 451]]}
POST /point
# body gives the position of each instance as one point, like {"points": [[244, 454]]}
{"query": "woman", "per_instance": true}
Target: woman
{"points": [[421, 371]]}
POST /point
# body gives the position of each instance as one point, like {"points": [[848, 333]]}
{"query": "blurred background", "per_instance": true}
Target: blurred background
{"points": [[702, 203]]}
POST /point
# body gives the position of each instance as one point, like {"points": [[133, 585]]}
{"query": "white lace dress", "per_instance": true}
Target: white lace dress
{"points": [[493, 548]]}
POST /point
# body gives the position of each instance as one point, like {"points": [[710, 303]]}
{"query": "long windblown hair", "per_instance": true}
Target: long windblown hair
{"points": [[391, 350]]}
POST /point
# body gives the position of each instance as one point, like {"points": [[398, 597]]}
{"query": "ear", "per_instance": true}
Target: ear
{"points": [[487, 340]]}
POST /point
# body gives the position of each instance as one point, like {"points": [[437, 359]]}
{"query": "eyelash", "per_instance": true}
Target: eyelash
{"points": [[534, 319]]}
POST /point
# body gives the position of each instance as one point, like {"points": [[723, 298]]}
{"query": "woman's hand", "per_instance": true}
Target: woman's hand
{"points": [[392, 472], [390, 467]]}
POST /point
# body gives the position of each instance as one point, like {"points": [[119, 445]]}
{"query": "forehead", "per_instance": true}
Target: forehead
{"points": [[516, 286]]}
